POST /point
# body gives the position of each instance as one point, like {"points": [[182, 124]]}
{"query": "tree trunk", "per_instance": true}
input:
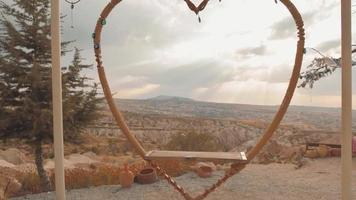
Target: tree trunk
{"points": [[44, 180]]}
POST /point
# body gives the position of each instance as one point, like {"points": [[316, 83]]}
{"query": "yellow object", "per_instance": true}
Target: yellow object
{"points": [[311, 153], [126, 177], [323, 151]]}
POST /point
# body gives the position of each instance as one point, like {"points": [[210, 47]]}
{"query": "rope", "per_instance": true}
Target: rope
{"points": [[234, 168], [72, 3]]}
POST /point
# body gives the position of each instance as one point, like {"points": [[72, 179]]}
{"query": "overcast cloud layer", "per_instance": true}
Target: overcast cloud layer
{"points": [[242, 52]]}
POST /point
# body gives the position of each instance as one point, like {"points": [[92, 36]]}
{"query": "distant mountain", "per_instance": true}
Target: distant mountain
{"points": [[318, 117], [155, 120], [170, 98]]}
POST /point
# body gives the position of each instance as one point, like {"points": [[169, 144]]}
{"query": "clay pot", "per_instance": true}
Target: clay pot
{"points": [[311, 153], [204, 171], [335, 152], [126, 177], [323, 151], [146, 176]]}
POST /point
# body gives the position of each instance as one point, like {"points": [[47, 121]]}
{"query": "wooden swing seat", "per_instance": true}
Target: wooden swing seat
{"points": [[235, 157], [315, 144]]}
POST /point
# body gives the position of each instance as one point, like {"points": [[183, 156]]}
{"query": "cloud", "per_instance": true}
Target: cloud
{"points": [[157, 47], [247, 92], [134, 31], [136, 92], [252, 51], [172, 80], [286, 27], [199, 73], [129, 81], [273, 74], [182, 79], [329, 45], [129, 86]]}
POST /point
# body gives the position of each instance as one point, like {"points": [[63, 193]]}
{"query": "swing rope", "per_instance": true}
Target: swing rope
{"points": [[72, 3], [235, 167]]}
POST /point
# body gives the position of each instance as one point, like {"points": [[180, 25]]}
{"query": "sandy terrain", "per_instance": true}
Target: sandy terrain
{"points": [[319, 179]]}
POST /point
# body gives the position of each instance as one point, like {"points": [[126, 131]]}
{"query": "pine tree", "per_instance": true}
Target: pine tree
{"points": [[79, 98], [25, 80]]}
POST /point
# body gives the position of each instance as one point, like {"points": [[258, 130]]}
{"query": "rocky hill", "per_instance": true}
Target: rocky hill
{"points": [[155, 120], [317, 117]]}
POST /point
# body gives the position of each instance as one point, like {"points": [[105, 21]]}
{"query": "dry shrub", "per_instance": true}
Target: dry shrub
{"points": [[137, 166], [30, 184], [95, 175], [106, 175], [75, 178], [193, 142]]}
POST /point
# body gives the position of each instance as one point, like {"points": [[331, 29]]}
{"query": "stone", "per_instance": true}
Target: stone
{"points": [[204, 164], [13, 156]]}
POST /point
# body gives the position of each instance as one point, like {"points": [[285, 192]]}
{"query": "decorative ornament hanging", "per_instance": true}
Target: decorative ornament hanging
{"points": [[72, 3], [196, 9]]}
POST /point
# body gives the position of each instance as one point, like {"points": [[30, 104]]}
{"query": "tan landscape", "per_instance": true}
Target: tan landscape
{"points": [[319, 179], [217, 100], [98, 157]]}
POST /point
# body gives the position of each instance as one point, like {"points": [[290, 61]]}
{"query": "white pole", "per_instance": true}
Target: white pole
{"points": [[57, 100], [346, 152]]}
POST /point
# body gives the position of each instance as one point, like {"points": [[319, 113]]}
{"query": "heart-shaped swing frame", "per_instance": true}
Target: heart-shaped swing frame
{"points": [[237, 167]]}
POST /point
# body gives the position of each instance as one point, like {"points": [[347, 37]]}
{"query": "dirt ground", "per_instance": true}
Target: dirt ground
{"points": [[319, 179]]}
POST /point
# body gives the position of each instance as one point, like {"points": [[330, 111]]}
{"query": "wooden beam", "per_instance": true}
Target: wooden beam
{"points": [[346, 126], [57, 99], [236, 157], [315, 144]]}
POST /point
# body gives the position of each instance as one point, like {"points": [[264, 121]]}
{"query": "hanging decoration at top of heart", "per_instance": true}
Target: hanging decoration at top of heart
{"points": [[197, 9], [72, 4]]}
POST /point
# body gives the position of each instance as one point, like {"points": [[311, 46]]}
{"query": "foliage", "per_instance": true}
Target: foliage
{"points": [[193, 142], [80, 101], [78, 178], [25, 80], [30, 184], [322, 67], [319, 68]]}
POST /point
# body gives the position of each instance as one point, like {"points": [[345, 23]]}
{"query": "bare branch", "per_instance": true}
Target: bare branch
{"points": [[320, 68]]}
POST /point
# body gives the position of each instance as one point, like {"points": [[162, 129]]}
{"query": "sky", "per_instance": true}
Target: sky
{"points": [[242, 51]]}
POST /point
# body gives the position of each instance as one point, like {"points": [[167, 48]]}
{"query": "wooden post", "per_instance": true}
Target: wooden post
{"points": [[346, 152], [57, 99]]}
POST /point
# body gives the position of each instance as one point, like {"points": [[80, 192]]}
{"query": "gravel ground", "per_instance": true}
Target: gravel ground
{"points": [[319, 179]]}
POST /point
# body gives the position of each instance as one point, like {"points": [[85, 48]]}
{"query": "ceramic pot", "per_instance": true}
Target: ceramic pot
{"points": [[336, 152], [126, 177], [204, 171], [311, 153], [323, 151], [146, 176]]}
